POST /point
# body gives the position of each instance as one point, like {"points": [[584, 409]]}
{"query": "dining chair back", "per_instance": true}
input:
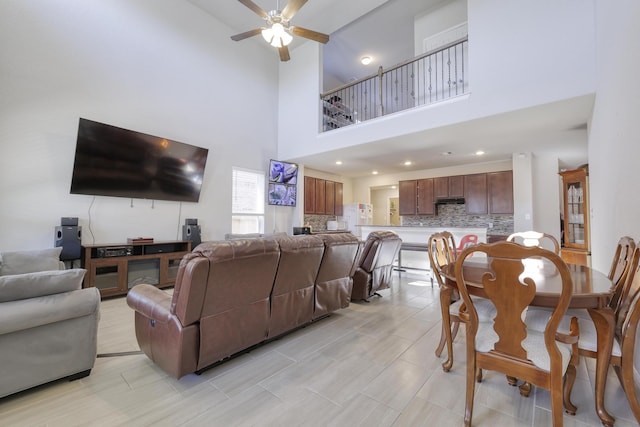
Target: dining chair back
{"points": [[466, 241], [620, 268], [535, 238], [546, 359]]}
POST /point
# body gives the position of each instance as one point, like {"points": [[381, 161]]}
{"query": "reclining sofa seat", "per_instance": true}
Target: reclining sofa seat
{"points": [[334, 281], [375, 265], [232, 295], [220, 305], [293, 296]]}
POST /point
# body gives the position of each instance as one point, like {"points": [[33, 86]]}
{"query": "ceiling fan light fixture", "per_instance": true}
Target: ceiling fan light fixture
{"points": [[267, 34]]}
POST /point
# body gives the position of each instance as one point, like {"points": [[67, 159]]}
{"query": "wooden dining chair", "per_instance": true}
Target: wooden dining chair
{"points": [[466, 241], [442, 251], [505, 344], [535, 238], [620, 268]]}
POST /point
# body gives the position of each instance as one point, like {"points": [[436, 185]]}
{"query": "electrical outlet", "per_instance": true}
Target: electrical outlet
{"points": [[490, 225]]}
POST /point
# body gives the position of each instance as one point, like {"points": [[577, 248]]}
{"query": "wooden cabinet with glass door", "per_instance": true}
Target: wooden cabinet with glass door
{"points": [[575, 221]]}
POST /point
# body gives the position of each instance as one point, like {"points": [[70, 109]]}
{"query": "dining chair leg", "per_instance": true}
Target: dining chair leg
{"points": [[626, 376], [569, 380], [447, 334], [556, 401], [471, 386]]}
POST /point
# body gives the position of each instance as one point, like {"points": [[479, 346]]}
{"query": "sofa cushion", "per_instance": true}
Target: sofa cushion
{"points": [[30, 285], [19, 262]]}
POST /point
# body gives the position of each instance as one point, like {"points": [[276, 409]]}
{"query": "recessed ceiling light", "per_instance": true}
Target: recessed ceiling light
{"points": [[338, 162], [479, 153], [365, 60], [407, 163], [374, 173], [447, 153]]}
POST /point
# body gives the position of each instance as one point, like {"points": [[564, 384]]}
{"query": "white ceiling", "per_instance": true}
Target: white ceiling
{"points": [[384, 31]]}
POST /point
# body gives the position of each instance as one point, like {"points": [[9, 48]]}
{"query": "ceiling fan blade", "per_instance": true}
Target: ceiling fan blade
{"points": [[257, 9], [246, 34], [292, 8], [284, 54], [310, 34]]}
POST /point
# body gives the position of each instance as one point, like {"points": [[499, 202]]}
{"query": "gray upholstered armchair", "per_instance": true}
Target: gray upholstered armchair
{"points": [[48, 323]]}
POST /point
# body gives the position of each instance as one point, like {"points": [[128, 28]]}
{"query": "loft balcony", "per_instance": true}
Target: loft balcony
{"points": [[435, 76]]}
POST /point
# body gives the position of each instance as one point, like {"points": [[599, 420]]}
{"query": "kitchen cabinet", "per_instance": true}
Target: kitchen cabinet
{"points": [[339, 205], [330, 197], [408, 197], [448, 187], [416, 197], [500, 193], [425, 197], [475, 194], [322, 197], [309, 195]]}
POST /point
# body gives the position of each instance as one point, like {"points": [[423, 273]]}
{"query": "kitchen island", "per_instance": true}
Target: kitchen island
{"points": [[419, 259]]}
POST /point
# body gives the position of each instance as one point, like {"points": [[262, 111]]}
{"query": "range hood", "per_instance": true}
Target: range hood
{"points": [[450, 201]]}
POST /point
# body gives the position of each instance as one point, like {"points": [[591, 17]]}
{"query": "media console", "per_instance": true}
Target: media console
{"points": [[116, 268]]}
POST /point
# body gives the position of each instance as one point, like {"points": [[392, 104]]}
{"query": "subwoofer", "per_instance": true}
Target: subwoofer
{"points": [[69, 237]]}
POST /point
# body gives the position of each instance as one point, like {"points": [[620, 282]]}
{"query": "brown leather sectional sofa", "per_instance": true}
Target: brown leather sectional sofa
{"points": [[232, 295]]}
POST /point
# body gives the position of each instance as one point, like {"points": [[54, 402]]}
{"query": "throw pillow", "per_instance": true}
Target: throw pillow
{"points": [[31, 285], [19, 262]]}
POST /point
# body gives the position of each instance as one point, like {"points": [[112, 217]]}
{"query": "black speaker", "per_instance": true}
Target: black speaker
{"points": [[191, 233], [70, 238]]}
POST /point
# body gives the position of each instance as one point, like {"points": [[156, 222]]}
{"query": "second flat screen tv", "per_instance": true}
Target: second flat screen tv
{"points": [[112, 161], [283, 179]]}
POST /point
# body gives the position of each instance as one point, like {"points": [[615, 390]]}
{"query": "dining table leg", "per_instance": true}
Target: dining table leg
{"points": [[604, 321]]}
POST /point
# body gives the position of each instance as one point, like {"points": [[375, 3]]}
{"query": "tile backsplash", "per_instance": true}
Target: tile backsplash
{"points": [[456, 216], [448, 216]]}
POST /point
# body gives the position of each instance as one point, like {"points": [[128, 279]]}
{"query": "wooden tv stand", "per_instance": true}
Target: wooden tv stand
{"points": [[116, 268]]}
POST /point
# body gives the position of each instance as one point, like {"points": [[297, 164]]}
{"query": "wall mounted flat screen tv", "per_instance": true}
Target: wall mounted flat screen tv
{"points": [[112, 161], [283, 180]]}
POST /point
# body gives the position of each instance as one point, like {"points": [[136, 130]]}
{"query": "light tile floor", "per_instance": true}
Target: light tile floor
{"points": [[371, 364]]}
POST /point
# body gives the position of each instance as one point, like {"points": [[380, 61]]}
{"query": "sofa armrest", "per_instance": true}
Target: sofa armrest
{"points": [[151, 302], [33, 312]]}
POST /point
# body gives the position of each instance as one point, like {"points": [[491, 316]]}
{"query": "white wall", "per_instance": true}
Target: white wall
{"points": [[155, 66], [438, 20], [613, 135]]}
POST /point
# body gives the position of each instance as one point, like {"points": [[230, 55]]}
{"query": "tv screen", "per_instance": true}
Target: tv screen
{"points": [[283, 177], [112, 161]]}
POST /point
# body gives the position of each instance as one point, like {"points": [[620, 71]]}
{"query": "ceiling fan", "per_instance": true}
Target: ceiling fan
{"points": [[278, 29]]}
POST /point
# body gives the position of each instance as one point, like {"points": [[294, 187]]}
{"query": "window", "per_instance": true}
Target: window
{"points": [[247, 207]]}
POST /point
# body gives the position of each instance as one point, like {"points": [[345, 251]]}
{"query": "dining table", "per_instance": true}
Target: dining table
{"points": [[592, 290]]}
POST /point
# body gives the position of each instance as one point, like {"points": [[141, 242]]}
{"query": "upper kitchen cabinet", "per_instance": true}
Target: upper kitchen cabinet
{"points": [[447, 187], [475, 193], [322, 197], [500, 194], [425, 197], [339, 205], [309, 195], [408, 197]]}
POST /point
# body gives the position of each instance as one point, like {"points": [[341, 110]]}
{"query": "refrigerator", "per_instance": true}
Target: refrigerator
{"points": [[356, 215]]}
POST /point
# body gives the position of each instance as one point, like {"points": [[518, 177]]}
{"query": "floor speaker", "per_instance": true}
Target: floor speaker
{"points": [[69, 238], [191, 233]]}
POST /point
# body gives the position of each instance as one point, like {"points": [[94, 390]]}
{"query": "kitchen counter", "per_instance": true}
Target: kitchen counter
{"points": [[410, 234], [419, 260]]}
